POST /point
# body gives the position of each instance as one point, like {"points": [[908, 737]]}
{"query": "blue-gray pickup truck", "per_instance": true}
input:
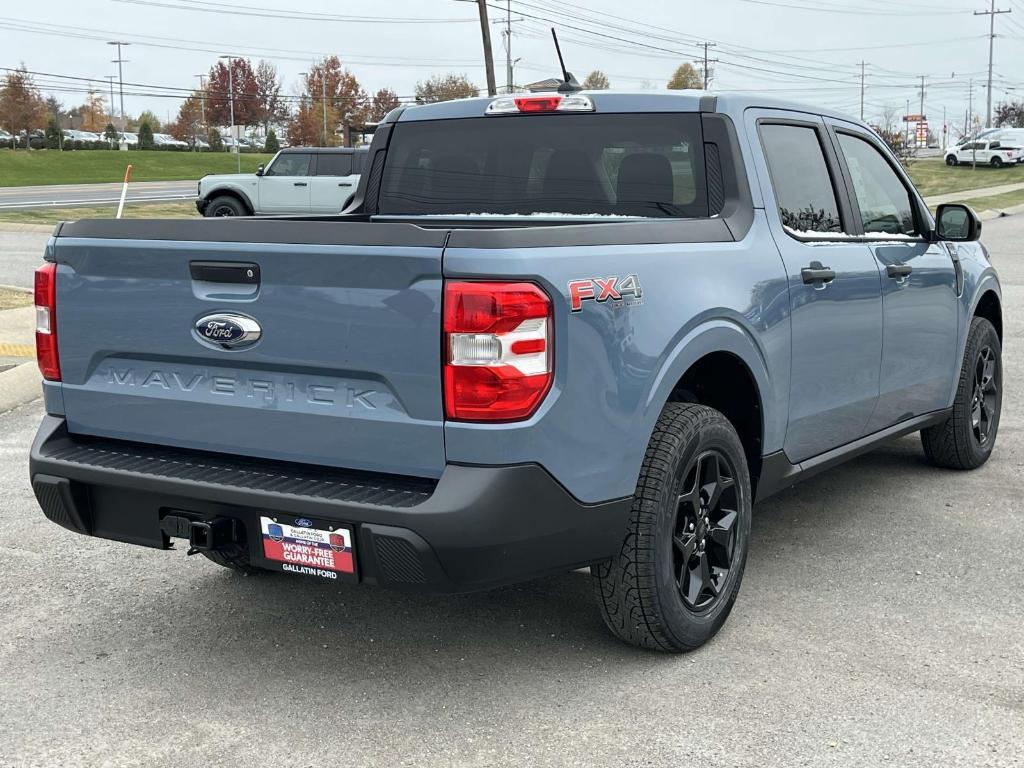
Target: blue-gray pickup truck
{"points": [[550, 331]]}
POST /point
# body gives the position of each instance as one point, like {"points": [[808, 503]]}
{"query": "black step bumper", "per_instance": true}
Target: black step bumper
{"points": [[474, 528]]}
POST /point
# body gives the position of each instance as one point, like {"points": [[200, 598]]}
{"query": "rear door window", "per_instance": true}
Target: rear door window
{"points": [[804, 191], [333, 164], [647, 165]]}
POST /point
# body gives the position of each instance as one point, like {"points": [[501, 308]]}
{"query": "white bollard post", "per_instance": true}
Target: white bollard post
{"points": [[124, 191]]}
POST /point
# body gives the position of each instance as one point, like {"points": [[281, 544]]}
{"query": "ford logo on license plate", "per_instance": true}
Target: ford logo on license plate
{"points": [[227, 331]]}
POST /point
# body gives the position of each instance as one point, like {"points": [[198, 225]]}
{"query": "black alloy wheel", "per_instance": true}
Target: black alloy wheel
{"points": [[986, 396], [705, 530]]}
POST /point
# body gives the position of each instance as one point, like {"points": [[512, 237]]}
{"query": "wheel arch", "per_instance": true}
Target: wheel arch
{"points": [[237, 194], [989, 306], [722, 367]]}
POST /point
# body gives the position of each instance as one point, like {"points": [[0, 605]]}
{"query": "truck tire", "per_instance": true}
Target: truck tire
{"points": [[951, 160], [997, 162], [676, 577], [235, 557], [965, 440], [225, 206]]}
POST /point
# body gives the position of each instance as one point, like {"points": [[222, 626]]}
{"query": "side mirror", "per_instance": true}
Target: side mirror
{"points": [[259, 170], [957, 223]]}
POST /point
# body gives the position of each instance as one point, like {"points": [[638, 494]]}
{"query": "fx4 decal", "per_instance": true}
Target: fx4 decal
{"points": [[602, 289]]}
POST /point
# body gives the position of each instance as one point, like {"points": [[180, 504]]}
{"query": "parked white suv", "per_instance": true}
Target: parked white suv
{"points": [[985, 152], [297, 180]]}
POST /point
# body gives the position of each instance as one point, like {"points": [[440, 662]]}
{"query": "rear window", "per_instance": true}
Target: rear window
{"points": [[648, 165], [333, 164]]}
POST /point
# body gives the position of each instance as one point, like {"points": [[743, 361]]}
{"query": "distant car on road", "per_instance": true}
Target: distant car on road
{"points": [[984, 152], [297, 180]]}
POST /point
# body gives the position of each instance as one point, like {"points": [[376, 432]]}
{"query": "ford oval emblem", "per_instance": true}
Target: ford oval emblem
{"points": [[304, 522], [227, 331]]}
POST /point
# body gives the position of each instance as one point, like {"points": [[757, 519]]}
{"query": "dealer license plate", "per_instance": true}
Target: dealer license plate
{"points": [[313, 548]]}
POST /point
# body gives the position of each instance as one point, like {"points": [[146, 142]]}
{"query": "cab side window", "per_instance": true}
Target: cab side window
{"points": [[291, 164], [800, 177], [884, 201]]}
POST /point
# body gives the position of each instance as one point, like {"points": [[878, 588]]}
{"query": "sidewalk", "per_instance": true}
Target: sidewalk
{"points": [[19, 376], [970, 194]]}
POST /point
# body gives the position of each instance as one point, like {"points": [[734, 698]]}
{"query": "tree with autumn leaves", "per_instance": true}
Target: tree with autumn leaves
{"points": [[332, 98], [22, 107], [189, 124]]}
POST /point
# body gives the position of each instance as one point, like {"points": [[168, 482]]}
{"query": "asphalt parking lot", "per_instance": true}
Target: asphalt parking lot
{"points": [[881, 622]]}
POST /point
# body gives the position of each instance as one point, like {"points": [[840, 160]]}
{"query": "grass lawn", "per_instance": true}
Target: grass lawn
{"points": [[996, 202], [51, 216], [934, 177], [46, 166], [13, 299]]}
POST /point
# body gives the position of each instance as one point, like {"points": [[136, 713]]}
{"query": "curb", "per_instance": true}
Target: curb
{"points": [[19, 385]]}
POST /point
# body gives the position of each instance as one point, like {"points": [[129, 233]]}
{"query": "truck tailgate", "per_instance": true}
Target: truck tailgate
{"points": [[346, 371]]}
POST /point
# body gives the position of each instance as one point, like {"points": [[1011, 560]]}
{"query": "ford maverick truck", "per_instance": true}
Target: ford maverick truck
{"points": [[550, 331]]}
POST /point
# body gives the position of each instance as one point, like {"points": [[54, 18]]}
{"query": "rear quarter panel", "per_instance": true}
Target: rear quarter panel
{"points": [[616, 363]]}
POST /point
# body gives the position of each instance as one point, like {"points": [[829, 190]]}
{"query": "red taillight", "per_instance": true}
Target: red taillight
{"points": [[497, 350], [538, 103], [46, 321]]}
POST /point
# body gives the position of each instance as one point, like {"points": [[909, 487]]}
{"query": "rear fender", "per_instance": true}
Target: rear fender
{"points": [[721, 335]]}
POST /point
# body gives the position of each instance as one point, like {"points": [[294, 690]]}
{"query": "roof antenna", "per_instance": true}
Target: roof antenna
{"points": [[569, 83]]}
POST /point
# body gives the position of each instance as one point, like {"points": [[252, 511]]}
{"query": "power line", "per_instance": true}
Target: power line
{"points": [[273, 13]]}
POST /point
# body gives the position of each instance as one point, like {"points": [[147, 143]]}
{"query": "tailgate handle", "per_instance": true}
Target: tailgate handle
{"points": [[245, 273]]}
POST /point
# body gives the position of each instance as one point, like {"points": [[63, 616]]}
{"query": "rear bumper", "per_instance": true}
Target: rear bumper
{"points": [[201, 205], [474, 528]]}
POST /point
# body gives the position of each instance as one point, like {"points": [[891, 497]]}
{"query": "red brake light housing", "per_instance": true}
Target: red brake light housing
{"points": [[46, 321], [498, 362], [538, 103]]}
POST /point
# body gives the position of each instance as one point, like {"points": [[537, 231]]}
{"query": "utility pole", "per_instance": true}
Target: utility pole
{"points": [[922, 96], [969, 123], [323, 82], [120, 75], [991, 13], [906, 129], [202, 99], [707, 71], [508, 46], [485, 31], [862, 65], [231, 97]]}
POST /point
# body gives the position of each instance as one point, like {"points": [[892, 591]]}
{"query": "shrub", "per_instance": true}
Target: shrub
{"points": [[145, 135], [272, 145], [216, 143]]}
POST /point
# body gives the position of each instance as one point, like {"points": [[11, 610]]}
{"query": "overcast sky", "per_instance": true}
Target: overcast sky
{"points": [[804, 49]]}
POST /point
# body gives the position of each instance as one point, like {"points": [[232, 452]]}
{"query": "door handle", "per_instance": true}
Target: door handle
{"points": [[899, 271], [301, 184], [816, 273], [344, 183]]}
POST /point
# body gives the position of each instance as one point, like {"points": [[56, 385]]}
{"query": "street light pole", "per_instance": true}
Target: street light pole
{"points": [[323, 82], [120, 76]]}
